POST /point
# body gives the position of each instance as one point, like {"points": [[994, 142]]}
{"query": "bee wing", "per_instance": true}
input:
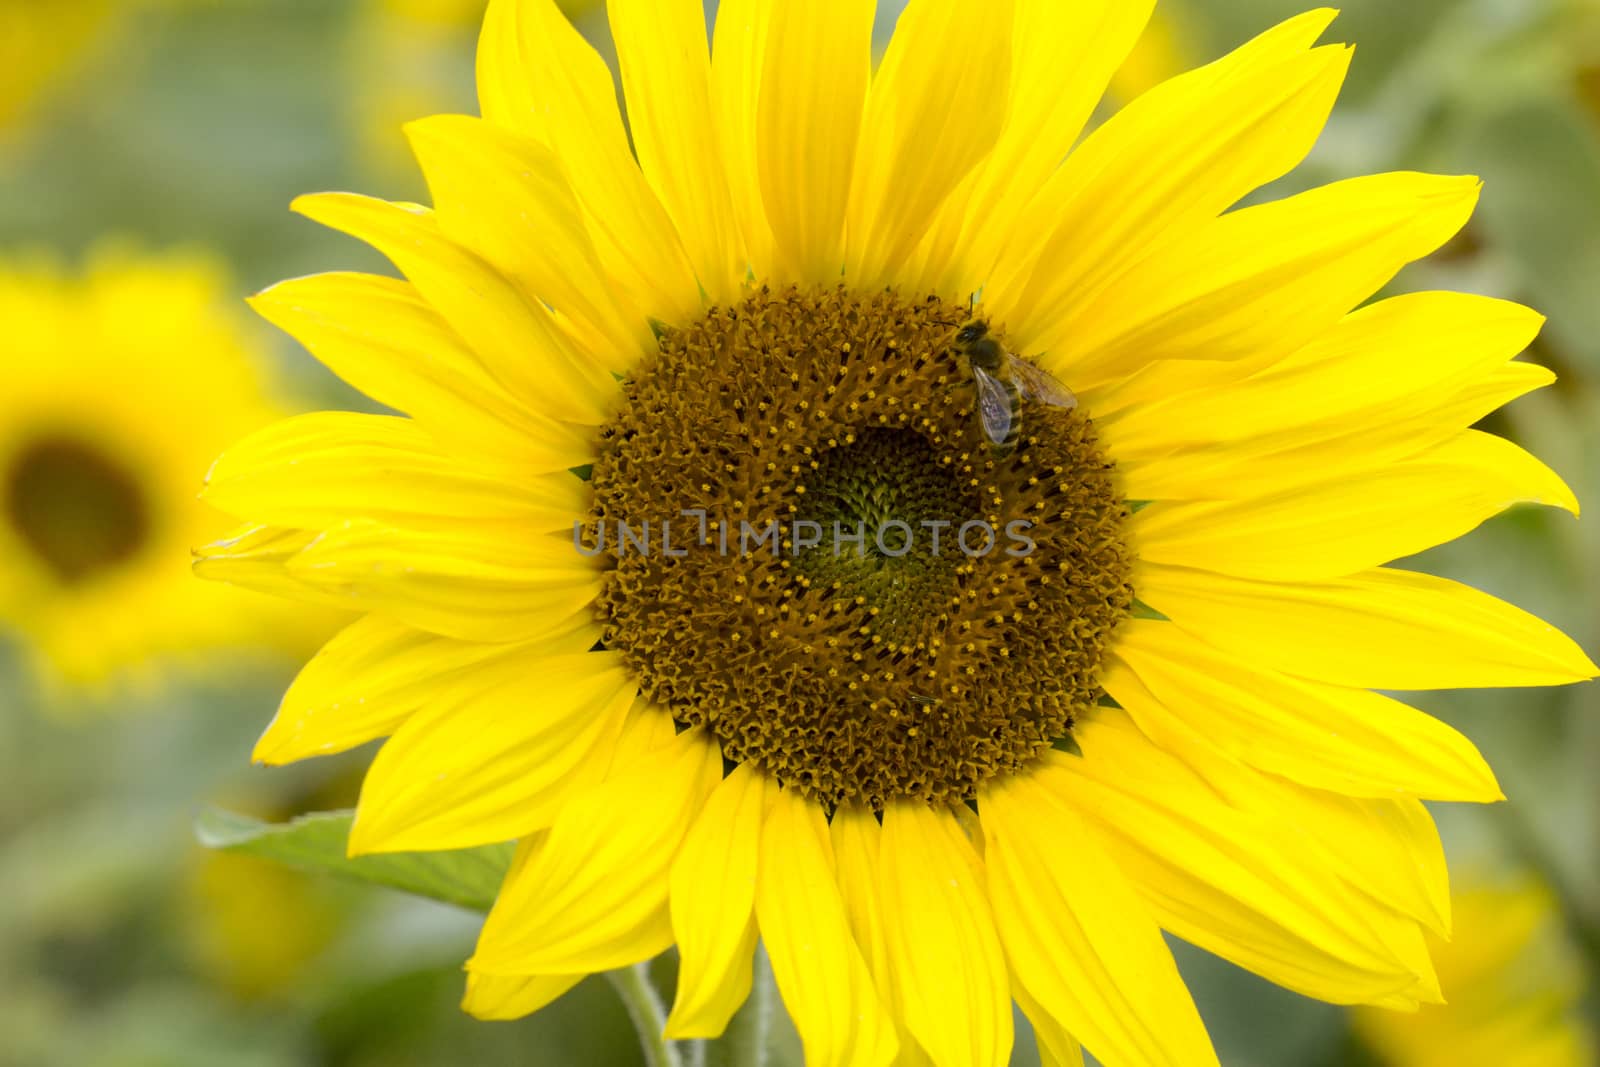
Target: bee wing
{"points": [[1039, 384], [994, 406]]}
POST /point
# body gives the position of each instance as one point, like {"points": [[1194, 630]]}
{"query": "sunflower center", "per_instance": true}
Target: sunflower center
{"points": [[875, 504], [79, 510], [815, 552]]}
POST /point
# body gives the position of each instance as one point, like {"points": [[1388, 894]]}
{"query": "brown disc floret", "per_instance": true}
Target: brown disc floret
{"points": [[805, 450]]}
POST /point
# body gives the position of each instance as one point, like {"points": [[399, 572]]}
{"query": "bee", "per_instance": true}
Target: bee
{"points": [[1004, 380]]}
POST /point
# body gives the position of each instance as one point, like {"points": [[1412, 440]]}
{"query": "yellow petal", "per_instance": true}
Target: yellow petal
{"points": [[855, 836], [713, 895], [363, 684], [1387, 849], [934, 110], [474, 584], [1078, 938], [666, 77], [1260, 282], [1380, 629], [510, 333], [738, 53], [595, 896], [1327, 529], [1391, 360], [379, 335], [318, 470], [1165, 164], [494, 756], [498, 998], [1490, 393], [1062, 57], [814, 75], [818, 968], [258, 557], [538, 77], [949, 971], [1349, 741], [506, 198], [1250, 468], [1240, 883], [1057, 1047], [1384, 848], [647, 728], [508, 997]]}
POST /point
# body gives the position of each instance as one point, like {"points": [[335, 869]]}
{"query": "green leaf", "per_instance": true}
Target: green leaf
{"points": [[468, 878]]}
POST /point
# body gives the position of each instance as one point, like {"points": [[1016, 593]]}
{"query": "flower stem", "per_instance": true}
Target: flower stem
{"points": [[750, 1029], [649, 1015]]}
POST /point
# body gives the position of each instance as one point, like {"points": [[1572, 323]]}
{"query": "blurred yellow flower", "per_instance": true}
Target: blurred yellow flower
{"points": [[1511, 984], [253, 926], [897, 768], [410, 58], [120, 386], [40, 40]]}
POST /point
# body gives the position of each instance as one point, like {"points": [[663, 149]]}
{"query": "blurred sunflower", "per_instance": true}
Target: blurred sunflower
{"points": [[120, 385], [39, 43], [899, 768], [254, 927], [1512, 985], [409, 58]]}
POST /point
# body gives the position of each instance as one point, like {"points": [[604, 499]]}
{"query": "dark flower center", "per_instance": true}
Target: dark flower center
{"points": [[861, 594], [80, 511]]}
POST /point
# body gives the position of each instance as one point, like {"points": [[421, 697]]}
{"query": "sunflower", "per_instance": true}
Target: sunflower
{"points": [[1513, 985], [120, 386], [650, 564]]}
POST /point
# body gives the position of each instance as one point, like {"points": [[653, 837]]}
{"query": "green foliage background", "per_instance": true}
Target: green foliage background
{"points": [[195, 123]]}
